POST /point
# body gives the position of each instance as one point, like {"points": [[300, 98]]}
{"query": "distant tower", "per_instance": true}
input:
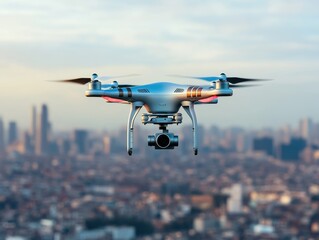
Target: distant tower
{"points": [[107, 145], [306, 129], [264, 144], [33, 127], [13, 132], [27, 143], [41, 143], [81, 141], [2, 141], [284, 134]]}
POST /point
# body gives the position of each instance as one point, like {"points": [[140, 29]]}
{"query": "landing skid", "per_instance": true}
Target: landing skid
{"points": [[162, 120]]}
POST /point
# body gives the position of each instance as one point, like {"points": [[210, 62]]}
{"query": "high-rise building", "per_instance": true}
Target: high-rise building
{"points": [[26, 143], [33, 127], [42, 132], [107, 145], [2, 141], [306, 129], [13, 132], [284, 134], [264, 144], [81, 141], [292, 151]]}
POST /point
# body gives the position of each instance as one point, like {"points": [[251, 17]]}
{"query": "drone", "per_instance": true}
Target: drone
{"points": [[162, 101]]}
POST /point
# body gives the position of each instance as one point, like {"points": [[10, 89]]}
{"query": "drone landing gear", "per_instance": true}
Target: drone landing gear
{"points": [[163, 140], [135, 108], [189, 109]]}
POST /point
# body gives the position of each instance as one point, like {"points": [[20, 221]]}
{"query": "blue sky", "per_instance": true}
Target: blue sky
{"points": [[275, 39]]}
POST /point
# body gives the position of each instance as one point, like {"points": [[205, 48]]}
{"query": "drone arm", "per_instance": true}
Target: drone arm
{"points": [[135, 108], [189, 109]]}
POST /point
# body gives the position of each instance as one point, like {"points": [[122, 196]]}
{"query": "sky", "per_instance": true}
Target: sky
{"points": [[44, 40]]}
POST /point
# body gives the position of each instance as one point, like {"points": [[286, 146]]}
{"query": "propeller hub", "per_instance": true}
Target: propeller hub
{"points": [[115, 84], [94, 77], [95, 85], [221, 85], [223, 77]]}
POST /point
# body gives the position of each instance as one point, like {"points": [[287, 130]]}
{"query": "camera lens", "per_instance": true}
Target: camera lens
{"points": [[163, 140]]}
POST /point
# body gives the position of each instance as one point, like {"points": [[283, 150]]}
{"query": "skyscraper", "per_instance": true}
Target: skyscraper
{"points": [[81, 140], [264, 144], [41, 143], [293, 150], [26, 143], [33, 127], [2, 142], [107, 144], [13, 132], [306, 129]]}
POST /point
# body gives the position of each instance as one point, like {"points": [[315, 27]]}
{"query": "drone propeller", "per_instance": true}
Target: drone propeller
{"points": [[117, 85], [242, 86], [95, 77], [233, 80], [75, 80]]}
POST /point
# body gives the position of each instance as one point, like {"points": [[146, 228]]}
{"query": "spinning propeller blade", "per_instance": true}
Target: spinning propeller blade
{"points": [[75, 80], [94, 77], [209, 79], [242, 86], [119, 85], [233, 80]]}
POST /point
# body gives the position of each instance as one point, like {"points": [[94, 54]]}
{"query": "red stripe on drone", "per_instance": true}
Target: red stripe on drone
{"points": [[113, 100], [207, 100]]}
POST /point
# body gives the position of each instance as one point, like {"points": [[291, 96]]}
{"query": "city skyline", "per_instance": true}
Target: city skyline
{"points": [[41, 139], [31, 126], [267, 39]]}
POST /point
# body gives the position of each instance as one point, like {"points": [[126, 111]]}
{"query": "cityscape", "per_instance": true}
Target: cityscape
{"points": [[80, 184]]}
